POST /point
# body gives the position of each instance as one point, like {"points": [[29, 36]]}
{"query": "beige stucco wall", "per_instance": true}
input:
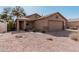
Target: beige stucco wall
{"points": [[3, 27], [42, 24]]}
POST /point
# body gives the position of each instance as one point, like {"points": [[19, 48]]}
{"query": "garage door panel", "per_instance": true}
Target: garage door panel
{"points": [[55, 25]]}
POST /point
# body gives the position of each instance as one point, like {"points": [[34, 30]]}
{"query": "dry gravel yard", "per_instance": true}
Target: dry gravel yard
{"points": [[36, 41]]}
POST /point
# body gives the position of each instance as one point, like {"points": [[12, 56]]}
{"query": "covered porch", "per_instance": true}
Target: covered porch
{"points": [[24, 24]]}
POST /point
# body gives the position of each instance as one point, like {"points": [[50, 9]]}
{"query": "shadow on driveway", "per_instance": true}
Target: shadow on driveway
{"points": [[60, 33], [64, 33]]}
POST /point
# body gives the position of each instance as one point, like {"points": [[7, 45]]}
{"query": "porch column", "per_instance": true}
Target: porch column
{"points": [[17, 25], [24, 25]]}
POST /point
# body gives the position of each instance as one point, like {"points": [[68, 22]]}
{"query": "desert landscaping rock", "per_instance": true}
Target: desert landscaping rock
{"points": [[50, 39], [36, 41], [18, 36]]}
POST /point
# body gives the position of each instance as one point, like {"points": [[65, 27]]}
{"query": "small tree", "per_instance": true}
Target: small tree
{"points": [[6, 14], [10, 25], [18, 11]]}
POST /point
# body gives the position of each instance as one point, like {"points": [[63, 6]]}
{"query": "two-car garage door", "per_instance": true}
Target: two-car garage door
{"points": [[55, 25]]}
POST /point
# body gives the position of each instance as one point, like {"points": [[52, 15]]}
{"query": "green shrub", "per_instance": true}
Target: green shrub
{"points": [[10, 25], [74, 36]]}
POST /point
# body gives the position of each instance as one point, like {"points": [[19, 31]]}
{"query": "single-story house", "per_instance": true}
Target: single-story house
{"points": [[3, 26], [52, 22], [74, 23]]}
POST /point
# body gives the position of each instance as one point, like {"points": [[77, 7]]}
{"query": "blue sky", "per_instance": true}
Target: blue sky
{"points": [[70, 12]]}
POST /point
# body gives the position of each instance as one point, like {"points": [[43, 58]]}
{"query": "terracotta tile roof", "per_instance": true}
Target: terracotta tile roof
{"points": [[33, 14], [41, 17], [52, 15]]}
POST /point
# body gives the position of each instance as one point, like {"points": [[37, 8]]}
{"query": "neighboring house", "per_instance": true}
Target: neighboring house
{"points": [[74, 23], [53, 22], [3, 26]]}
